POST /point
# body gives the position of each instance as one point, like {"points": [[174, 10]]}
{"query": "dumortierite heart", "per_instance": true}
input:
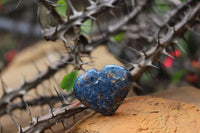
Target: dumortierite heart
{"points": [[103, 91]]}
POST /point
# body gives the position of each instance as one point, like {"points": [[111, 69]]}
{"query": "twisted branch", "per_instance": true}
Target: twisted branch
{"points": [[169, 38], [26, 86], [40, 101], [147, 59], [58, 115]]}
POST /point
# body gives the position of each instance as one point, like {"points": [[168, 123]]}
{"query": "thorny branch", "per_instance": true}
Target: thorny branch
{"points": [[174, 29], [42, 100], [116, 28], [51, 7], [135, 31], [169, 38], [26, 86], [58, 115], [8, 96], [76, 19], [6, 99]]}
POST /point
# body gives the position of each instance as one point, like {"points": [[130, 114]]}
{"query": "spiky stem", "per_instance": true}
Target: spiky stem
{"points": [[174, 31], [26, 86], [40, 101], [147, 58], [58, 115]]}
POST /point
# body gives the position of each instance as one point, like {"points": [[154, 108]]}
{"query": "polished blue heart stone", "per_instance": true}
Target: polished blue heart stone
{"points": [[103, 91]]}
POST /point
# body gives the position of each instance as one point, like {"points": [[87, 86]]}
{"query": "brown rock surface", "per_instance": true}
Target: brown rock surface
{"points": [[143, 114], [187, 94]]}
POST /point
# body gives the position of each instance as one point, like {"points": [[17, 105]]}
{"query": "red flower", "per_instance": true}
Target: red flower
{"points": [[175, 53], [9, 56], [191, 77], [168, 61], [196, 64]]}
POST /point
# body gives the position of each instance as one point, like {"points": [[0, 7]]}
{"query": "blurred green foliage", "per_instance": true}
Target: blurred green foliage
{"points": [[162, 6], [4, 1], [62, 8], [119, 37], [182, 0], [176, 77], [88, 27]]}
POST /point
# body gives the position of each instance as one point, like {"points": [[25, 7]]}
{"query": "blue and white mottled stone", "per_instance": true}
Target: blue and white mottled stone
{"points": [[103, 91]]}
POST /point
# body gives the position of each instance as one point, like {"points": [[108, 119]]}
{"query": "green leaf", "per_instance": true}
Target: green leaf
{"points": [[4, 1], [87, 26], [182, 0], [177, 76], [69, 80], [146, 77], [183, 45], [119, 37], [61, 7], [162, 6]]}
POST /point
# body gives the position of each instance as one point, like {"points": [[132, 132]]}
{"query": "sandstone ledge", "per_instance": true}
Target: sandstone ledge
{"points": [[144, 114]]}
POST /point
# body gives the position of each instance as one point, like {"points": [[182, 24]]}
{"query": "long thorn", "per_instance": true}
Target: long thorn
{"points": [[68, 126], [72, 7], [179, 45], [165, 53], [30, 113], [138, 86], [61, 99], [64, 125], [3, 85], [19, 3], [18, 126], [51, 130]]}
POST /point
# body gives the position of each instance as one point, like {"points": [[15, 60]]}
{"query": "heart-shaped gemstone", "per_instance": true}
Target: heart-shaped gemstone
{"points": [[103, 91]]}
